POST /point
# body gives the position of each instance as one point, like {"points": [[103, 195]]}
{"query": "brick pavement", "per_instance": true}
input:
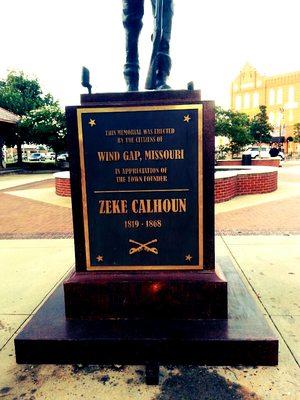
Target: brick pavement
{"points": [[32, 185], [25, 218], [275, 217], [22, 218]]}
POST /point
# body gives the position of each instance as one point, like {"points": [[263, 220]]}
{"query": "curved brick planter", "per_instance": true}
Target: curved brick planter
{"points": [[270, 162], [235, 181], [62, 183], [244, 180]]}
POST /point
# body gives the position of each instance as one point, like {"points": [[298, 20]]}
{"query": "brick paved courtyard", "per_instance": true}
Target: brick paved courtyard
{"points": [[31, 269], [272, 218], [24, 218], [32, 210]]}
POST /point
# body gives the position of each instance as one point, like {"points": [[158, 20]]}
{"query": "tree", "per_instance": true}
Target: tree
{"points": [[235, 126], [47, 125], [20, 95], [296, 137], [260, 128]]}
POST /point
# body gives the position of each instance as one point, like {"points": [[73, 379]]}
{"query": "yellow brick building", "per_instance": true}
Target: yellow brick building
{"points": [[281, 95]]}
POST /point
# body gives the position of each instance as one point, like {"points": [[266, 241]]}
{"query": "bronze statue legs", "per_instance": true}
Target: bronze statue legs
{"points": [[133, 11], [160, 65]]}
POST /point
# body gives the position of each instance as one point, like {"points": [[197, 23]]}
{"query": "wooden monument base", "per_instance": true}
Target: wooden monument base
{"points": [[146, 295], [244, 338]]}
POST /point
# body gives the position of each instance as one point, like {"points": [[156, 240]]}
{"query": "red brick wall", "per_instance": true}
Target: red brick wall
{"points": [[227, 188], [257, 183], [229, 162], [270, 162], [62, 187]]}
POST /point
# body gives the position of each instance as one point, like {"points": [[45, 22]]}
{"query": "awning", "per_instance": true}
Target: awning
{"points": [[8, 117], [277, 139]]}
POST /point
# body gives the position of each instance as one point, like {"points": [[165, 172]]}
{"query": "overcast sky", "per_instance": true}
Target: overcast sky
{"points": [[211, 41]]}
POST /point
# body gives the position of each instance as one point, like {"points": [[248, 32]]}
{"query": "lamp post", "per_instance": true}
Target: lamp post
{"points": [[281, 131], [258, 135], [281, 109]]}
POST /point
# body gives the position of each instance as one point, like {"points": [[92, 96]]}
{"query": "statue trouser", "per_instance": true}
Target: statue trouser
{"points": [[133, 11]]}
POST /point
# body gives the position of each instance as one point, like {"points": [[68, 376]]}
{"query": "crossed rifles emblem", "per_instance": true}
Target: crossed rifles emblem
{"points": [[143, 246]]}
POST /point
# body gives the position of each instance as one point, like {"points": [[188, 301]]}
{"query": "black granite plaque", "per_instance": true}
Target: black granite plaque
{"points": [[142, 186]]}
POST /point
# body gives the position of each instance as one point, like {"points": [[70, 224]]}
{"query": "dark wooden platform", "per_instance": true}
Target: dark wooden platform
{"points": [[245, 338]]}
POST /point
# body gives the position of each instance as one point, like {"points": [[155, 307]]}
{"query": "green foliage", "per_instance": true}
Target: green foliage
{"points": [[235, 126], [46, 125], [260, 128], [297, 133], [21, 94], [42, 121]]}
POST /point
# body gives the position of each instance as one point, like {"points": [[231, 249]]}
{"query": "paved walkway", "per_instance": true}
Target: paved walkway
{"points": [[32, 268], [45, 215], [31, 209], [269, 266], [272, 213]]}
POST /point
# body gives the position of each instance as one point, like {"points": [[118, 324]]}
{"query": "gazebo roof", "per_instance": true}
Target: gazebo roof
{"points": [[8, 117]]}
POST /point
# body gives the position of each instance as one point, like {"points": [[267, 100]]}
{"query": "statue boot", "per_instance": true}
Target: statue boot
{"points": [[163, 71], [163, 60], [131, 75], [131, 67], [133, 11]]}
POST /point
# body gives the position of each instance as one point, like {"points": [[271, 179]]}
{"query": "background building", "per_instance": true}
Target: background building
{"points": [[8, 121], [279, 93]]}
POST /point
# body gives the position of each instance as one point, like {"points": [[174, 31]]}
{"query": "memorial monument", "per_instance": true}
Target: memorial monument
{"points": [[146, 288]]}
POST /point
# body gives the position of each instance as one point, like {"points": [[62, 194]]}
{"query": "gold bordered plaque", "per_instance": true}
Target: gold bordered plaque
{"points": [[142, 191]]}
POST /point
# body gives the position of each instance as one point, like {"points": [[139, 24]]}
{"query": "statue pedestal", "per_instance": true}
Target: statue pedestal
{"points": [[146, 295], [145, 289], [244, 338], [174, 286]]}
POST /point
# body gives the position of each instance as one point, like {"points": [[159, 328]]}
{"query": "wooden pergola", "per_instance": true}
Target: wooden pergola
{"points": [[8, 120]]}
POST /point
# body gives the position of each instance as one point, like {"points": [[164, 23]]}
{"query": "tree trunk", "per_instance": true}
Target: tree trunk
{"points": [[19, 153], [2, 164]]}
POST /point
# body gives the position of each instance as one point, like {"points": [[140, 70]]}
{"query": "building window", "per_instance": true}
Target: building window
{"points": [[272, 117], [247, 85], [279, 96], [238, 102], [291, 95], [247, 100], [255, 99], [271, 97], [279, 118]]}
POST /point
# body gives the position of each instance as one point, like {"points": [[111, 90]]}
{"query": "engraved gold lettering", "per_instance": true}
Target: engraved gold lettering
{"points": [[157, 205], [110, 133], [134, 179], [108, 155], [101, 207], [153, 206], [131, 155], [163, 131], [148, 139], [182, 205], [113, 207], [155, 178], [176, 154]]}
